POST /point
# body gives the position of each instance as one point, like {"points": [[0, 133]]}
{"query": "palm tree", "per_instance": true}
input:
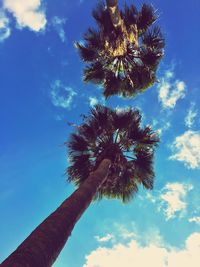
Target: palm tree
{"points": [[115, 135], [110, 155], [124, 52]]}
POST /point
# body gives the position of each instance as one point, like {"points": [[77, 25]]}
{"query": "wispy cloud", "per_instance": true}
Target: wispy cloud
{"points": [[121, 108], [162, 125], [5, 30], [27, 13], [123, 232], [94, 101], [191, 115], [186, 148], [195, 220], [62, 95], [170, 90], [105, 238], [58, 24], [173, 199], [126, 232], [158, 255]]}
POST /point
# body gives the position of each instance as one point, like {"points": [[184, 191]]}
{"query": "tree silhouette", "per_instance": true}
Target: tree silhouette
{"points": [[117, 136], [123, 53]]}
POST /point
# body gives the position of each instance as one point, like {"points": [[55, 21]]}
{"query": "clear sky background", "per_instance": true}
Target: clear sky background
{"points": [[41, 89]]}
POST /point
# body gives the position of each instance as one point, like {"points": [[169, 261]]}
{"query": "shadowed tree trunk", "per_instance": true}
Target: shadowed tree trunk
{"points": [[44, 244], [114, 12]]}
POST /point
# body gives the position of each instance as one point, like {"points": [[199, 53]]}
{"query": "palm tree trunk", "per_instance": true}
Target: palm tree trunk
{"points": [[44, 244], [114, 12]]}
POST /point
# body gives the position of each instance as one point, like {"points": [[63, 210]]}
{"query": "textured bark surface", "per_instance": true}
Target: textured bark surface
{"points": [[44, 244], [114, 12]]}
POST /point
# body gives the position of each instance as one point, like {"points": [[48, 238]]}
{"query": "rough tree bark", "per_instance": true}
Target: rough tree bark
{"points": [[43, 245]]}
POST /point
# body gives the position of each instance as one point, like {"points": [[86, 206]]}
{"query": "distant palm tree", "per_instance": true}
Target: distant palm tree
{"points": [[110, 155], [124, 52]]}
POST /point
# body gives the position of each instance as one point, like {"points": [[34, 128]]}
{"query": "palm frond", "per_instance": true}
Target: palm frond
{"points": [[95, 73], [129, 15], [88, 131], [148, 137], [102, 18], [77, 144], [79, 169], [87, 54], [146, 17], [143, 170], [143, 77], [118, 136], [112, 84], [92, 37], [123, 120], [151, 57], [153, 38]]}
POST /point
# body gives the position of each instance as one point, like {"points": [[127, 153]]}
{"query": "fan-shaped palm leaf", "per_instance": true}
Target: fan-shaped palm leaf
{"points": [[119, 137], [122, 56]]}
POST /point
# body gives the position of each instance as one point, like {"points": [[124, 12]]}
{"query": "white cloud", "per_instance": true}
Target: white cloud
{"points": [[93, 101], [61, 95], [191, 115], [195, 220], [170, 91], [105, 238], [162, 125], [123, 232], [28, 13], [58, 24], [120, 109], [187, 149], [133, 254], [150, 197], [5, 30], [173, 199]]}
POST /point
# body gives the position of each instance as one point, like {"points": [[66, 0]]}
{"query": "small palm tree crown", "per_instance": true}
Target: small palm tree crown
{"points": [[124, 59], [118, 136]]}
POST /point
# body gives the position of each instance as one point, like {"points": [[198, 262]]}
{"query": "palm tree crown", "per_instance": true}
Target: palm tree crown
{"points": [[118, 136], [123, 58]]}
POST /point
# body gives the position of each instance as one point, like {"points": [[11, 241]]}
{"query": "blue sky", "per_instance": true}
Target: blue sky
{"points": [[42, 89]]}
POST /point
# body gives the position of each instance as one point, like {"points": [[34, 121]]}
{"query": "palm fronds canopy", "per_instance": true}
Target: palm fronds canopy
{"points": [[118, 136], [122, 59]]}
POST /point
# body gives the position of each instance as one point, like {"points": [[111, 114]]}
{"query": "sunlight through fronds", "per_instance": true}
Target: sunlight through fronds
{"points": [[123, 58]]}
